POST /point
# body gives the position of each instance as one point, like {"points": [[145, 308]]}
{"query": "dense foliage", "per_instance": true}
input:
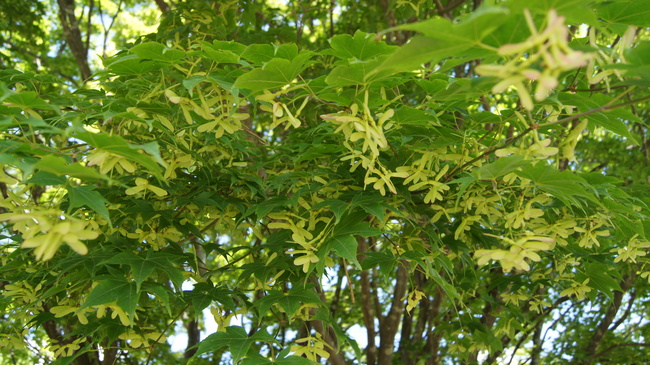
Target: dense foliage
{"points": [[372, 182]]}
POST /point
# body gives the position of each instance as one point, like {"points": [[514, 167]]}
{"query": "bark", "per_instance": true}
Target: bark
{"points": [[368, 307], [405, 340], [328, 334], [434, 337], [336, 357], [603, 327], [110, 354], [488, 318], [390, 323], [162, 5], [537, 344], [446, 11], [193, 337], [73, 37], [192, 325], [413, 326], [56, 333]]}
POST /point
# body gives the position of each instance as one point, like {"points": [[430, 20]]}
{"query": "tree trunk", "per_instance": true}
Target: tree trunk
{"points": [[537, 344], [603, 327], [368, 307], [162, 5], [73, 36], [388, 325], [193, 337], [433, 337]]}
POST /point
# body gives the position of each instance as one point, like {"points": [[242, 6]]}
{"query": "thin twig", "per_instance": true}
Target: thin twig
{"points": [[163, 332], [350, 284], [512, 140]]}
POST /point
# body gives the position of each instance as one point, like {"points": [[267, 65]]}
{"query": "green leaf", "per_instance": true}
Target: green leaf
{"points": [[258, 53], [346, 247], [276, 73], [86, 195], [384, 260], [257, 359], [371, 204], [191, 82], [449, 289], [27, 100], [160, 291], [19, 119], [629, 12], [235, 338], [222, 52], [502, 166], [564, 185], [639, 59], [358, 73], [317, 151], [288, 51], [114, 289], [601, 280], [119, 146], [44, 178], [143, 266], [290, 302], [362, 46], [338, 207], [442, 39], [575, 11], [203, 294], [354, 224], [613, 120], [58, 166], [418, 51], [132, 66], [158, 52]]}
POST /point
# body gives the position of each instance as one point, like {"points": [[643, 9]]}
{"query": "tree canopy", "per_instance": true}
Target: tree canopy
{"points": [[329, 181]]}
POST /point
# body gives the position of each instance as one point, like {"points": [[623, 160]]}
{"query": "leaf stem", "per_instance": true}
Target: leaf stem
{"points": [[512, 140], [163, 332]]}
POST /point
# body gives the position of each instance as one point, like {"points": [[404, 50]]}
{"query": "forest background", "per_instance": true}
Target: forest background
{"points": [[341, 181]]}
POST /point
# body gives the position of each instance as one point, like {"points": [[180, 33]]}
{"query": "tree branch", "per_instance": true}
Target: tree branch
{"points": [[512, 140], [73, 36], [162, 5], [603, 327], [390, 322], [367, 307]]}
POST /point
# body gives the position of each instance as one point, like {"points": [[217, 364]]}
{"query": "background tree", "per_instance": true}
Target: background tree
{"points": [[467, 186]]}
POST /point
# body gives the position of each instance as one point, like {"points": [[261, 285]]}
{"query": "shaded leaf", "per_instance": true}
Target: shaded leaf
{"points": [[346, 247], [119, 146], [362, 46], [564, 185], [235, 338], [27, 100], [276, 73], [111, 290], [157, 51], [86, 195], [44, 178], [502, 166], [59, 166]]}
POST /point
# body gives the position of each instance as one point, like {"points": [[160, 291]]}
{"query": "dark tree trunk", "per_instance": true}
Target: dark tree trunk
{"points": [[193, 337], [389, 324], [162, 5], [73, 37], [603, 327]]}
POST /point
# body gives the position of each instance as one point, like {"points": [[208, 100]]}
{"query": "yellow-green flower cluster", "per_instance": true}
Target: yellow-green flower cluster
{"points": [[46, 231], [541, 58]]}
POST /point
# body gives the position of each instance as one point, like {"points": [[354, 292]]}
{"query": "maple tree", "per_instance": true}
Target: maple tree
{"points": [[458, 181]]}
